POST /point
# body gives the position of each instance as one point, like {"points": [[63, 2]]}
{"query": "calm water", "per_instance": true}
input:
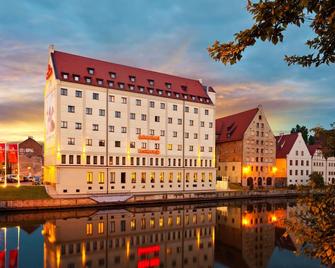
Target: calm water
{"points": [[222, 235]]}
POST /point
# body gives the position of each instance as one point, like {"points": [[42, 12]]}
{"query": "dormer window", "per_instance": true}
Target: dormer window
{"points": [[168, 93], [88, 80], [168, 85], [110, 83], [141, 88], [185, 97], [65, 76], [151, 91], [113, 75], [184, 88], [207, 100], [177, 95], [121, 85], [201, 99], [100, 82], [76, 77], [90, 71], [132, 78], [151, 82], [131, 87], [193, 98], [160, 92]]}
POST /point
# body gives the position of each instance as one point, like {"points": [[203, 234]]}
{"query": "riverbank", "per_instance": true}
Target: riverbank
{"points": [[103, 201]]}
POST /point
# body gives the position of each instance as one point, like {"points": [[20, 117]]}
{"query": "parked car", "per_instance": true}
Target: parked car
{"points": [[37, 180], [2, 179], [11, 178]]}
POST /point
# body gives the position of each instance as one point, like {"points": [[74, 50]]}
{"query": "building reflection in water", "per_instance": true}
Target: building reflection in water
{"points": [[156, 237], [247, 235]]}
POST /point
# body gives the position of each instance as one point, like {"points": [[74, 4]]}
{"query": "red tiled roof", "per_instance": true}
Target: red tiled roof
{"points": [[232, 127], [79, 65], [284, 144], [313, 148]]}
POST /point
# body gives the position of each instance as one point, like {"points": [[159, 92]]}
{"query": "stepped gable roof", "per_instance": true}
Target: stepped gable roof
{"points": [[121, 77], [284, 144], [232, 127], [313, 148]]}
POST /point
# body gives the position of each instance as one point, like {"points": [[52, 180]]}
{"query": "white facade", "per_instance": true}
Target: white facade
{"points": [[298, 163], [325, 167], [118, 141]]}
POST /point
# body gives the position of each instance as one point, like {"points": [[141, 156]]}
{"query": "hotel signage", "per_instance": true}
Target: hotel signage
{"points": [[148, 137], [147, 151]]}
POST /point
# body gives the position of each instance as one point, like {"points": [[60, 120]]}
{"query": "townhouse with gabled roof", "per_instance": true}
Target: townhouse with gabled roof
{"points": [[246, 149]]}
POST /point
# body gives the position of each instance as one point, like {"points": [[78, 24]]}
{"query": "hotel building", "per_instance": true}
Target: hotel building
{"points": [[325, 167], [111, 128], [293, 159], [246, 149]]}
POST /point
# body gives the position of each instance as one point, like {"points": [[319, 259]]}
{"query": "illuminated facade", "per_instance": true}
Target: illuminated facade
{"points": [[293, 159], [246, 149], [111, 128], [171, 237]]}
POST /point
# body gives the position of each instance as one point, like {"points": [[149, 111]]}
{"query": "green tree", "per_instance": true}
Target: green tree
{"points": [[313, 225], [316, 180], [326, 138], [311, 140], [271, 19], [303, 130]]}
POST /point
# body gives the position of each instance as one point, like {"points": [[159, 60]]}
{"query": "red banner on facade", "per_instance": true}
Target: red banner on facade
{"points": [[13, 258], [49, 72], [12, 153], [2, 152], [2, 259]]}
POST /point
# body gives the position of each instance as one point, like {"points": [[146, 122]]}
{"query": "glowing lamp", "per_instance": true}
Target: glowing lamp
{"points": [[274, 169]]}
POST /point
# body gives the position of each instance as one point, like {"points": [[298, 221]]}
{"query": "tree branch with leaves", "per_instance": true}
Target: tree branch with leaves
{"points": [[271, 21]]}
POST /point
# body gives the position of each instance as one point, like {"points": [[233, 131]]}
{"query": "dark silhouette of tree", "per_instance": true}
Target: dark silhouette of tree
{"points": [[271, 19], [326, 138], [303, 130], [313, 225], [316, 180]]}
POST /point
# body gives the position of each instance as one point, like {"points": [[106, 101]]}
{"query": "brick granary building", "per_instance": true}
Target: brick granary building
{"points": [[31, 157]]}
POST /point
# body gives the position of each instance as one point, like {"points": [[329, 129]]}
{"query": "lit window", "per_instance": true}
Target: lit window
{"points": [[169, 146], [161, 177], [89, 177], [101, 177], [161, 222], [89, 229], [133, 177], [100, 228]]}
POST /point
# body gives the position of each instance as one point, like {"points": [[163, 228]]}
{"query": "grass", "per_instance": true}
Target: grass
{"points": [[22, 193]]}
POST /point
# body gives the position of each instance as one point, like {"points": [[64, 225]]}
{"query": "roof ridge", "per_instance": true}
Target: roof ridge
{"points": [[129, 66], [246, 111]]}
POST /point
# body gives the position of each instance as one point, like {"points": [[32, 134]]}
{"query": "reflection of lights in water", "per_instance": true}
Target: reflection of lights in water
{"points": [[83, 254], [274, 218], [198, 238], [58, 256], [213, 235], [128, 248], [245, 221]]}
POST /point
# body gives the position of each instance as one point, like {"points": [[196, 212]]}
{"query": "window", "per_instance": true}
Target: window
{"points": [[89, 111], [101, 177], [88, 142], [206, 136], [76, 77], [169, 146], [152, 132], [102, 143], [196, 110], [88, 160], [195, 136], [157, 118], [65, 76], [152, 104], [111, 128], [102, 112], [180, 147], [121, 85], [138, 102], [132, 116], [111, 98], [210, 125], [95, 127], [162, 133], [138, 131], [170, 120], [89, 177], [117, 114], [89, 229], [162, 105], [78, 125], [63, 159], [112, 75], [132, 144], [168, 85], [70, 141], [110, 83], [123, 130], [144, 145], [187, 135], [174, 107], [63, 124], [70, 109], [191, 148], [187, 109], [63, 91], [191, 122], [124, 100], [174, 134], [78, 159], [143, 117], [117, 143], [79, 94], [95, 160], [151, 82], [206, 112], [133, 177], [95, 96]]}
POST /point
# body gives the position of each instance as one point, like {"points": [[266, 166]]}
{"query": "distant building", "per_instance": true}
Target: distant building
{"points": [[325, 167], [293, 160], [30, 157], [246, 148]]}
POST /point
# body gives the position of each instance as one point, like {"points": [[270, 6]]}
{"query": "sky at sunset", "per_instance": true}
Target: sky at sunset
{"points": [[164, 35]]}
